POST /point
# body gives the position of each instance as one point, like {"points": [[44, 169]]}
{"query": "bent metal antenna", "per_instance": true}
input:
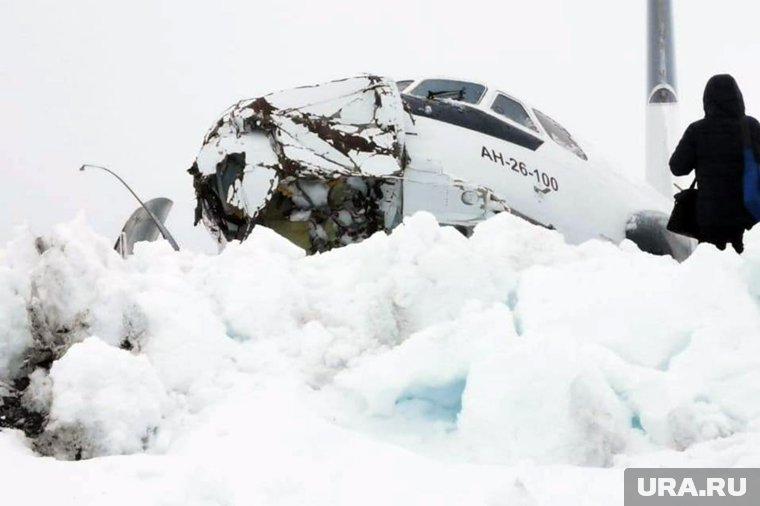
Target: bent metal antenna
{"points": [[164, 232]]}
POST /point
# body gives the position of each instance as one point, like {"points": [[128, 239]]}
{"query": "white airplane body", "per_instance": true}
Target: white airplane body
{"points": [[552, 184], [331, 164]]}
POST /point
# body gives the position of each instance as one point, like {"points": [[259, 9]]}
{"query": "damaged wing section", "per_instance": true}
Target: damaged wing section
{"points": [[320, 165]]}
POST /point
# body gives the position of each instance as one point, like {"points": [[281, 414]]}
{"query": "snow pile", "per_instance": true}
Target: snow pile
{"points": [[109, 397], [414, 368], [14, 294]]}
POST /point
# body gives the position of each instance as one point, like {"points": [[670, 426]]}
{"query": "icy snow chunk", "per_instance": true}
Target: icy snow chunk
{"points": [[699, 421], [644, 308], [508, 240], [506, 347], [78, 287], [433, 402], [38, 396], [106, 401], [546, 401], [15, 337], [427, 373], [16, 260], [252, 288], [56, 289], [419, 276]]}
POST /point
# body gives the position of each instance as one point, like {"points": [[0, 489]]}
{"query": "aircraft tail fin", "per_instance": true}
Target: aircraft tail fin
{"points": [[662, 118]]}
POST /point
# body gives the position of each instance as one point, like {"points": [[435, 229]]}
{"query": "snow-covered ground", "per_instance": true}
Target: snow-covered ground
{"points": [[416, 368]]}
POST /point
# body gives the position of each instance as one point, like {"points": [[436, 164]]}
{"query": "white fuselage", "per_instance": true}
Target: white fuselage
{"points": [[550, 185]]}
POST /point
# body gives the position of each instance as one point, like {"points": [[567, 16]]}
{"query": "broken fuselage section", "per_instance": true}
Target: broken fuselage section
{"points": [[332, 164], [324, 166], [319, 165]]}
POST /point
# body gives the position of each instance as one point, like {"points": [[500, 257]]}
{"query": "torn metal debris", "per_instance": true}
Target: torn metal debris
{"points": [[316, 164], [324, 166]]}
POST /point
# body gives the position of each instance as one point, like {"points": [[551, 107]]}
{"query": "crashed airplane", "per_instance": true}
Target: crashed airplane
{"points": [[331, 164]]}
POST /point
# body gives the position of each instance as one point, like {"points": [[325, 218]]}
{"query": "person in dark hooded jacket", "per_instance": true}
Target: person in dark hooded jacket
{"points": [[713, 147]]}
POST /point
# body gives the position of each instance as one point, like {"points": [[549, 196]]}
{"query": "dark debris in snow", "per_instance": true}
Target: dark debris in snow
{"points": [[13, 413]]}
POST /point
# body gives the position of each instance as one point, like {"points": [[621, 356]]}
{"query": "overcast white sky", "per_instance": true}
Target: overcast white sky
{"points": [[134, 85]]}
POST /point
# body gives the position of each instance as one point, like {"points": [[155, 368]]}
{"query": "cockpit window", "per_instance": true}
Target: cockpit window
{"points": [[513, 110], [462, 91], [559, 135], [402, 85]]}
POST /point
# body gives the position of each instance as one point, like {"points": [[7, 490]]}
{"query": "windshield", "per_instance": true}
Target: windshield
{"points": [[559, 135], [513, 110], [402, 85], [462, 91]]}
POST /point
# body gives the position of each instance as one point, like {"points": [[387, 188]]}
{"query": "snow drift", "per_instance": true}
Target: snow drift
{"points": [[415, 367]]}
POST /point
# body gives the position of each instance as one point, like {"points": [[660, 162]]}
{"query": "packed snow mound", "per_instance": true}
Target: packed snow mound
{"points": [[112, 399], [421, 350]]}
